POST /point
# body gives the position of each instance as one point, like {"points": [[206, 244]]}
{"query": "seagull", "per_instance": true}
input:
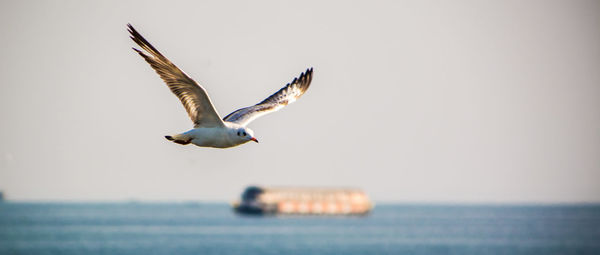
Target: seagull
{"points": [[209, 129]]}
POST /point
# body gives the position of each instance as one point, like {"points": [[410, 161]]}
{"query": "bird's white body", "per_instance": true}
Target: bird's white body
{"points": [[217, 137]]}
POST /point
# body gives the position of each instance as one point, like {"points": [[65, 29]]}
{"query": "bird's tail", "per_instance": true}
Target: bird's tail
{"points": [[180, 139]]}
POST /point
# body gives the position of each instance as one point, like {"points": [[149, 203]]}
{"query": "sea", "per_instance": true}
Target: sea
{"points": [[208, 228]]}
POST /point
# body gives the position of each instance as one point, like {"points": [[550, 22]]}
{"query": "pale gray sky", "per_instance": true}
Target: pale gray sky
{"points": [[413, 101]]}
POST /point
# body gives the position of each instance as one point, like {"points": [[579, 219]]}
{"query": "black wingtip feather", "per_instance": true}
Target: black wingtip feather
{"points": [[305, 79], [142, 42]]}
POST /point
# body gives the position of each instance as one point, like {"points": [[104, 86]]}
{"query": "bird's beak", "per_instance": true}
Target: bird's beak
{"points": [[254, 139]]}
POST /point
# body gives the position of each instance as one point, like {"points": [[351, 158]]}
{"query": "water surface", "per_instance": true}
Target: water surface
{"points": [[195, 228]]}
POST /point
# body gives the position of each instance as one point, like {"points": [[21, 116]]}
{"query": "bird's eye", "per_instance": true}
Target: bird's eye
{"points": [[244, 134]]}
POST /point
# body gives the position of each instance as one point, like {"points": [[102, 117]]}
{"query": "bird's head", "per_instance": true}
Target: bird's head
{"points": [[246, 134]]}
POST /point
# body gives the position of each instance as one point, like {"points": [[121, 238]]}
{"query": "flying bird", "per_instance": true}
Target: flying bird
{"points": [[209, 129]]}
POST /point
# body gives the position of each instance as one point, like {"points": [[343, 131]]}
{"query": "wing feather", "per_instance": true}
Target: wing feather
{"points": [[286, 95], [193, 97]]}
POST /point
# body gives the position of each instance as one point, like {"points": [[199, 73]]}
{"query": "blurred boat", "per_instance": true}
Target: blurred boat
{"points": [[303, 201]]}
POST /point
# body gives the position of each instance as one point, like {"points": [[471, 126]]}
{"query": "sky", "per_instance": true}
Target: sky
{"points": [[411, 101]]}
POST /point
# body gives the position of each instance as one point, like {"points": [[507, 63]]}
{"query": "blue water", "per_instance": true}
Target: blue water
{"points": [[122, 228]]}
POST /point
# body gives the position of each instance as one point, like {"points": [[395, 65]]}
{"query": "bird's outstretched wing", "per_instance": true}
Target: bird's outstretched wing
{"points": [[281, 98], [192, 95]]}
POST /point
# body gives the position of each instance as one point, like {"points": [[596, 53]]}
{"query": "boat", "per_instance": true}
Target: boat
{"points": [[259, 200]]}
